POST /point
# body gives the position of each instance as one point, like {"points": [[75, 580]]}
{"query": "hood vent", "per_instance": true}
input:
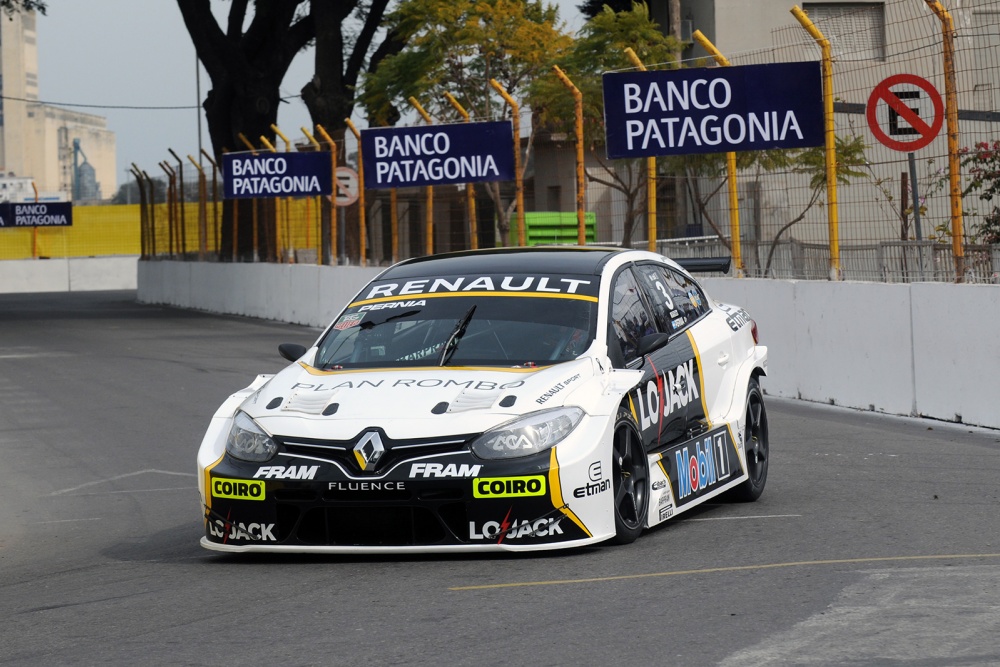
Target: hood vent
{"points": [[473, 400], [309, 402]]}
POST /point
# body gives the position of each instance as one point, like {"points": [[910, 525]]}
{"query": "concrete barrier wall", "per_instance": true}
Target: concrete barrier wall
{"points": [[926, 349], [297, 293], [75, 274]]}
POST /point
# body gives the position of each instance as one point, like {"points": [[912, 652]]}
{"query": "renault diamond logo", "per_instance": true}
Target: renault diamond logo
{"points": [[369, 450]]}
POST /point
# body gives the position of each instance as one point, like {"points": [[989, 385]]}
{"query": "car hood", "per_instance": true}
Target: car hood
{"points": [[409, 403]]}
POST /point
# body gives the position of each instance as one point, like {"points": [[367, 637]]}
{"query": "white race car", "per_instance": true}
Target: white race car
{"points": [[511, 399]]}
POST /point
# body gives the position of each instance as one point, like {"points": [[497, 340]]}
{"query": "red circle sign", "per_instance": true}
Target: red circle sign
{"points": [[888, 130]]}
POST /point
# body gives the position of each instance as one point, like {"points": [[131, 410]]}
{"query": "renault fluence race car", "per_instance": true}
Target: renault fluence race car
{"points": [[510, 399]]}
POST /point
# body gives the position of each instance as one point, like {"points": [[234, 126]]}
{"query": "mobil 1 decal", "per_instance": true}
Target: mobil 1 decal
{"points": [[669, 396], [701, 465], [713, 110]]}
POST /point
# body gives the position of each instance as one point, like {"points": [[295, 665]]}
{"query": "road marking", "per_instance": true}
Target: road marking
{"points": [[736, 518], [105, 493], [117, 477], [69, 520], [717, 570]]}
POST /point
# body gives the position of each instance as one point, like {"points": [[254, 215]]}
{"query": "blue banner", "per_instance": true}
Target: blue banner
{"points": [[36, 214], [713, 110], [397, 157], [248, 176]]}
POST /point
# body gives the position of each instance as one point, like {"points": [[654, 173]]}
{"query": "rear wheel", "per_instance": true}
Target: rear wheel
{"points": [[630, 479], [756, 443]]}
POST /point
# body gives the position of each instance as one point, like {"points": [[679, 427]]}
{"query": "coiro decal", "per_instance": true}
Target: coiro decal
{"points": [[237, 489], [509, 487]]}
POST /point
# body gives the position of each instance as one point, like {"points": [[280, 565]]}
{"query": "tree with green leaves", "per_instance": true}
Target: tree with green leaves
{"points": [[457, 48], [599, 48]]}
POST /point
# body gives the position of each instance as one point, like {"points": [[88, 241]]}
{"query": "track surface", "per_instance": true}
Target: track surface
{"points": [[877, 540]]}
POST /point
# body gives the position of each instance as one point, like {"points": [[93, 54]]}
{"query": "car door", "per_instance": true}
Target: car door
{"points": [[669, 394]]}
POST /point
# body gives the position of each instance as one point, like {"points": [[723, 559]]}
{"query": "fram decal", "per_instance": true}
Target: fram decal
{"points": [[281, 472], [441, 470]]}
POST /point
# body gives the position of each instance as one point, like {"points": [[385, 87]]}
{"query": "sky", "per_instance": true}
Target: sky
{"points": [[126, 53]]}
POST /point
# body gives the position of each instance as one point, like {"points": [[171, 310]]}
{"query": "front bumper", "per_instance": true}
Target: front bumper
{"points": [[448, 501]]}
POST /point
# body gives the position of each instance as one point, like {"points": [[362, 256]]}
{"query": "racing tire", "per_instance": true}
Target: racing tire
{"points": [[756, 443], [630, 479]]}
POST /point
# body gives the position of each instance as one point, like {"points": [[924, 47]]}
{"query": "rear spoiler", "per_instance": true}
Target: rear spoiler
{"points": [[705, 264]]}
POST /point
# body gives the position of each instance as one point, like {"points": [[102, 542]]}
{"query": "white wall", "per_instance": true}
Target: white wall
{"points": [[925, 349], [76, 274]]}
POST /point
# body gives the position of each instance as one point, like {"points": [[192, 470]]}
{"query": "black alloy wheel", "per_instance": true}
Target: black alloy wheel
{"points": [[756, 443], [630, 479]]}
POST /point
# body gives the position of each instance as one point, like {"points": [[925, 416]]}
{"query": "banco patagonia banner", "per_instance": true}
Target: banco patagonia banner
{"points": [[36, 214], [247, 175], [713, 110], [397, 157]]}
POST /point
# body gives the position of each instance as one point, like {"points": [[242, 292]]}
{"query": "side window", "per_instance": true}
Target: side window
{"points": [[629, 318], [689, 300], [677, 300]]}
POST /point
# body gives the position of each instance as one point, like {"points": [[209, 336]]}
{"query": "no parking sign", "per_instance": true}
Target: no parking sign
{"points": [[905, 112]]}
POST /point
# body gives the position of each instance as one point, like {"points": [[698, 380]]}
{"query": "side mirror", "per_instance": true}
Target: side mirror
{"points": [[651, 342], [291, 351]]}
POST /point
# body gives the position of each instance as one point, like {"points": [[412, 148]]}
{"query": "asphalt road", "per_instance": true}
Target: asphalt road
{"points": [[877, 541]]}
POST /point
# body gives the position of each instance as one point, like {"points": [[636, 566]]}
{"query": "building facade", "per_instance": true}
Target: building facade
{"points": [[57, 148]]}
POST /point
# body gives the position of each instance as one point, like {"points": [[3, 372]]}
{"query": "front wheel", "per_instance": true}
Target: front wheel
{"points": [[630, 478], [755, 441]]}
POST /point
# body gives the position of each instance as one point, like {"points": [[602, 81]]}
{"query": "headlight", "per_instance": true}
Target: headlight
{"points": [[248, 442], [527, 435]]}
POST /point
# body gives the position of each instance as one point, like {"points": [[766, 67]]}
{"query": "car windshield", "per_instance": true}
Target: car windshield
{"points": [[473, 327]]}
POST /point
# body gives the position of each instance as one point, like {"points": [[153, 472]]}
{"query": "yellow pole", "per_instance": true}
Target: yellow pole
{"points": [[650, 173], [34, 229], [429, 224], [951, 115], [246, 142], [334, 259], [215, 199], [581, 227], [734, 206], [286, 201], [831, 140], [319, 222], [277, 223], [361, 191], [202, 210], [179, 196], [515, 113], [288, 144], [470, 190]]}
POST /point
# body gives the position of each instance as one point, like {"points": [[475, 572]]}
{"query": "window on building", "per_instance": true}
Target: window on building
{"points": [[856, 30]]}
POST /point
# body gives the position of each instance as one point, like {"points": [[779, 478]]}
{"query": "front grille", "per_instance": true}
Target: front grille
{"points": [[378, 526], [342, 451]]}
